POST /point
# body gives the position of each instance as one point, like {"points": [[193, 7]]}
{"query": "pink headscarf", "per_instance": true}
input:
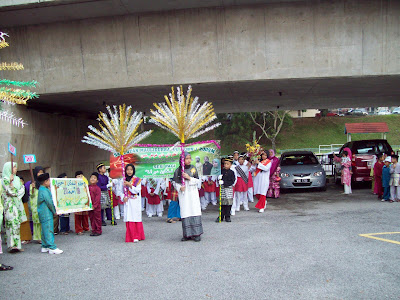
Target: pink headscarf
{"points": [[349, 152]]}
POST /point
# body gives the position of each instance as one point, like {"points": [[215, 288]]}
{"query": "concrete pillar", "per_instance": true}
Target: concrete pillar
{"points": [[54, 139]]}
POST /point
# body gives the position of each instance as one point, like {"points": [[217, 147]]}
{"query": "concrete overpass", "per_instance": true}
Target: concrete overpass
{"points": [[244, 55]]}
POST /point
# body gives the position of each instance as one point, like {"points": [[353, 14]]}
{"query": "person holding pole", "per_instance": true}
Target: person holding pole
{"points": [[14, 213], [3, 267], [189, 200], [129, 189]]}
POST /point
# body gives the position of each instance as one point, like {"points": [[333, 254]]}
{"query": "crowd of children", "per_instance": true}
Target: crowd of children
{"points": [[387, 177], [240, 180], [30, 215]]}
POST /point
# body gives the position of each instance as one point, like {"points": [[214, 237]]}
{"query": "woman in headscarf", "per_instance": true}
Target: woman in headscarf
{"points": [[130, 191], [14, 213], [216, 169], [346, 168], [189, 200], [274, 179], [3, 267], [31, 193], [260, 169]]}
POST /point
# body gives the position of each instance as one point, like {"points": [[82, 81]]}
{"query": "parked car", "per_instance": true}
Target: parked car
{"points": [[359, 112], [301, 170], [330, 114], [396, 111], [363, 153], [383, 112]]}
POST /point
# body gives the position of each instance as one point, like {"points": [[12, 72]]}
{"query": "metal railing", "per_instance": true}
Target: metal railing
{"points": [[327, 163], [329, 148]]}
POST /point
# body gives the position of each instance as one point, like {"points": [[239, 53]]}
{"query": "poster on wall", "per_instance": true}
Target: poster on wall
{"points": [[161, 161], [70, 195]]}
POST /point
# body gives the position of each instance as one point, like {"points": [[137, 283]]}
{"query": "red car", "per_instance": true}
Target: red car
{"points": [[363, 153]]}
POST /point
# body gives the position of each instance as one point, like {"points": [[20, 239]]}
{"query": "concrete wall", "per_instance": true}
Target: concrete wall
{"points": [[54, 139], [272, 41]]}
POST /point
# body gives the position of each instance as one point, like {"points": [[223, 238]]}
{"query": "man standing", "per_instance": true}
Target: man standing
{"points": [[207, 166]]}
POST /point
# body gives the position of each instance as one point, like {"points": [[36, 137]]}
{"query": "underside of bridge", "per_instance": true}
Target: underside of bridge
{"points": [[243, 55], [244, 96]]}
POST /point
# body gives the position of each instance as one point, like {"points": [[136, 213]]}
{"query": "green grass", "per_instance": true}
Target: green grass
{"points": [[304, 133], [312, 132]]}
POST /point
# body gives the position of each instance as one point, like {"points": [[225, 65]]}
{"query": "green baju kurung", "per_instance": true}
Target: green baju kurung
{"points": [[14, 213], [46, 211], [37, 227], [1, 215]]}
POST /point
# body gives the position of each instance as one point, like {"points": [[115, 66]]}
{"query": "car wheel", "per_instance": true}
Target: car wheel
{"points": [[322, 189]]}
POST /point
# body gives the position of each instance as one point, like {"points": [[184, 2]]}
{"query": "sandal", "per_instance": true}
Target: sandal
{"points": [[5, 268], [64, 233], [25, 242], [79, 233], [13, 250]]}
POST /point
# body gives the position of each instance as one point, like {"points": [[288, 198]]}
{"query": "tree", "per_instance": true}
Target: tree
{"points": [[270, 123], [236, 127]]}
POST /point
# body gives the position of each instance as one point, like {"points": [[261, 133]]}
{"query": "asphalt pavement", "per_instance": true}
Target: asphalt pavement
{"points": [[305, 246]]}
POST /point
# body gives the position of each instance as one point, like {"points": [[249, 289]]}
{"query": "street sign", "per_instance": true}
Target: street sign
{"points": [[29, 159], [12, 149]]}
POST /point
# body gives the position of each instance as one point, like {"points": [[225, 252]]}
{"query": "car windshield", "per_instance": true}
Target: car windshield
{"points": [[371, 148], [299, 159]]}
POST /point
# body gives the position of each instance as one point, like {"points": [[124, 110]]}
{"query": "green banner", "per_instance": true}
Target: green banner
{"points": [[161, 161]]}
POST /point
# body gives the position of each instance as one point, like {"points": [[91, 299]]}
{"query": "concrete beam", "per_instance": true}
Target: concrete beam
{"points": [[28, 12], [238, 96]]}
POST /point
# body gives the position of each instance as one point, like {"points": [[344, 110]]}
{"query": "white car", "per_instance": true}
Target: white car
{"points": [[384, 112], [396, 111]]}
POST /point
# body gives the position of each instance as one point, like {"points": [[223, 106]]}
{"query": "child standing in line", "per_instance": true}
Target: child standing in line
{"points": [[65, 229], [209, 185], [118, 204], [25, 231], [378, 175], [129, 190], [386, 179], [46, 211], [81, 218], [95, 196], [241, 187], [144, 193], [395, 179], [227, 180], [154, 206], [174, 211], [104, 184]]}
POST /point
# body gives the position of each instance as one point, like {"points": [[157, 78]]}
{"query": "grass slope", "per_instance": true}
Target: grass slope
{"points": [[312, 132]]}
